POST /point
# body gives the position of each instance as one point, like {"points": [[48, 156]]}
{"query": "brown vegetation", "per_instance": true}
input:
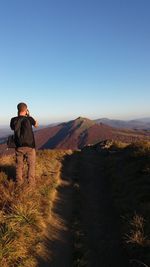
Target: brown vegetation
{"points": [[128, 170], [24, 210], [101, 205]]}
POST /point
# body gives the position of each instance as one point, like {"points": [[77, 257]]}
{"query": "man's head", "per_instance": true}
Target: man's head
{"points": [[22, 108]]}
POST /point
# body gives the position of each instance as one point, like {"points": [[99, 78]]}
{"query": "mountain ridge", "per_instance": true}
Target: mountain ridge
{"points": [[139, 124], [76, 134]]}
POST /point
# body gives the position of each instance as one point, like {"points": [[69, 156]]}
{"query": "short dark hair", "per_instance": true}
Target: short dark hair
{"points": [[21, 107]]}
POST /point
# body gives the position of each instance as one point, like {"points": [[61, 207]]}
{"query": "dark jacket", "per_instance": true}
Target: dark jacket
{"points": [[23, 132]]}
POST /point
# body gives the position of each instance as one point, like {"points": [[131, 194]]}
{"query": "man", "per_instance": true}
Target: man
{"points": [[25, 143]]}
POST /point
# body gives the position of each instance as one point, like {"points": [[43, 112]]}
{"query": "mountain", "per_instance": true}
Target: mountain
{"points": [[139, 124], [65, 135], [80, 132], [147, 120], [4, 131]]}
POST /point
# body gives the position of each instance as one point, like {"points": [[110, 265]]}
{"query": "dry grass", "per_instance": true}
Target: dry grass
{"points": [[136, 235], [24, 210], [129, 173], [119, 144]]}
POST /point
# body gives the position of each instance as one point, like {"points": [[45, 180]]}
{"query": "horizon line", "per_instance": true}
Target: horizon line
{"points": [[99, 118]]}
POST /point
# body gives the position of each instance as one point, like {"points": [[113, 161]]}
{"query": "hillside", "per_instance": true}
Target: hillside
{"points": [[76, 134], [86, 205], [80, 132], [65, 135]]}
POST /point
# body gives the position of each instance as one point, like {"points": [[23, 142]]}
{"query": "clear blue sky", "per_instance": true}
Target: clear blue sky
{"points": [[70, 58]]}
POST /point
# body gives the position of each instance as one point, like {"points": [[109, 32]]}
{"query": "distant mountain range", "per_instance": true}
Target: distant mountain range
{"points": [[4, 131], [140, 124], [80, 132], [76, 134]]}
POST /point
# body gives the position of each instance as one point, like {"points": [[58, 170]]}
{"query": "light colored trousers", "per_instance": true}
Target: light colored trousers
{"points": [[30, 155]]}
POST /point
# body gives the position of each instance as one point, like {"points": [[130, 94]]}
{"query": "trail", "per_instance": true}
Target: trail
{"points": [[99, 220], [58, 238]]}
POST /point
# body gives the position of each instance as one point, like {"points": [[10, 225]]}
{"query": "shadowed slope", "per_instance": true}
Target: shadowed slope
{"points": [[78, 133], [70, 134]]}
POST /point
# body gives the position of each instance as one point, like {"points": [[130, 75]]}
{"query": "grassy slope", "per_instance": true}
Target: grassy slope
{"points": [[129, 173], [24, 211]]}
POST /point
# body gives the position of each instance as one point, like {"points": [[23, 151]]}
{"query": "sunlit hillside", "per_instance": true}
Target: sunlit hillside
{"points": [[24, 211], [86, 204]]}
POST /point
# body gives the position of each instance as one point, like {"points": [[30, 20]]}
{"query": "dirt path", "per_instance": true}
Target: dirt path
{"points": [[100, 221], [98, 218], [58, 238]]}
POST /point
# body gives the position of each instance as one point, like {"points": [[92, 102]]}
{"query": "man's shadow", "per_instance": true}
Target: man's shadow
{"points": [[9, 170]]}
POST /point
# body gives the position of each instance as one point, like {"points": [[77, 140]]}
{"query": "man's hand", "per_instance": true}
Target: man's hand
{"points": [[27, 113], [36, 124]]}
